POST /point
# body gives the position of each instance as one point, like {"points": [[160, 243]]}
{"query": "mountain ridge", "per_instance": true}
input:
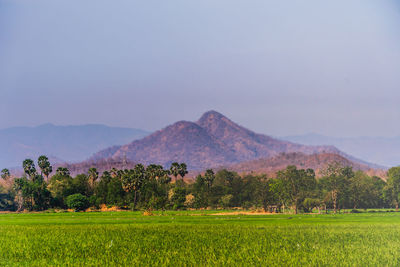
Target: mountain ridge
{"points": [[70, 143], [317, 162], [213, 140], [384, 151]]}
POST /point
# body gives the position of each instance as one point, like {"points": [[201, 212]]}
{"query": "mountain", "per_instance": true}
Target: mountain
{"points": [[381, 150], [212, 141], [60, 143], [317, 162]]}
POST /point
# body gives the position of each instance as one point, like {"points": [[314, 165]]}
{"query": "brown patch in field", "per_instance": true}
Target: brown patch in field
{"points": [[103, 207], [148, 213]]}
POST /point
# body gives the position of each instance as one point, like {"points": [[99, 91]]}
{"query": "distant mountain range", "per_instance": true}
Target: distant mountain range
{"points": [[212, 141], [60, 143], [380, 150]]}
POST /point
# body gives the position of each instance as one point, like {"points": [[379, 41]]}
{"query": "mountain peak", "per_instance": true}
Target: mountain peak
{"points": [[214, 140], [211, 115]]}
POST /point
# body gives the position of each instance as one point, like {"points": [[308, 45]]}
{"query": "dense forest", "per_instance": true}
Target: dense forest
{"points": [[154, 188]]}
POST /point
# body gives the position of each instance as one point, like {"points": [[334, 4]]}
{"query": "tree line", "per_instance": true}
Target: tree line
{"points": [[153, 187]]}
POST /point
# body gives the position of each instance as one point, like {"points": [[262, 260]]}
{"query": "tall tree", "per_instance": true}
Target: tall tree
{"points": [[154, 172], [336, 181], [132, 181], [297, 184], [93, 175], [45, 166], [182, 170], [29, 168], [392, 189], [209, 177], [174, 170], [62, 171]]}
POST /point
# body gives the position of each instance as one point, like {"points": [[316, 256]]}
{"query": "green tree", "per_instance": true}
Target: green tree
{"points": [[32, 193], [5, 174], [226, 201], [93, 175], [226, 182], [174, 170], [29, 168], [298, 184], [62, 171], [81, 184], [392, 190], [209, 178], [109, 190], [182, 170], [311, 203], [61, 186], [45, 166], [201, 192], [132, 181], [265, 192], [77, 202], [6, 200], [177, 198], [336, 181]]}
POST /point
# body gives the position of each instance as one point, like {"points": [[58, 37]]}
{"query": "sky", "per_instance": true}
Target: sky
{"points": [[277, 67]]}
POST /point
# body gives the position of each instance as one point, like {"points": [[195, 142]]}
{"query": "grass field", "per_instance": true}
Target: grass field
{"points": [[195, 238]]}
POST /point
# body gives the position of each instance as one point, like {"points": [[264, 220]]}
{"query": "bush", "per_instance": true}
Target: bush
{"points": [[77, 202]]}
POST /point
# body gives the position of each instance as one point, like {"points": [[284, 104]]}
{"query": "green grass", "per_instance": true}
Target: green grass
{"points": [[178, 238]]}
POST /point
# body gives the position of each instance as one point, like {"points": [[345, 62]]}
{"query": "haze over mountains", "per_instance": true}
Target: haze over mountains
{"points": [[317, 162], [380, 150], [212, 141], [60, 143]]}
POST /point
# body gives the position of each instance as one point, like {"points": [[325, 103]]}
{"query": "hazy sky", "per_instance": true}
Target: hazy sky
{"points": [[279, 67]]}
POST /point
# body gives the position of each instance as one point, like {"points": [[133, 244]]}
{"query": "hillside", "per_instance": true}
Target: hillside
{"points": [[381, 150], [212, 141], [317, 162], [60, 143]]}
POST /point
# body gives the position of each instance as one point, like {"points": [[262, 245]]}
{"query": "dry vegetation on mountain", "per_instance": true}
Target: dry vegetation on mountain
{"points": [[317, 162], [212, 141]]}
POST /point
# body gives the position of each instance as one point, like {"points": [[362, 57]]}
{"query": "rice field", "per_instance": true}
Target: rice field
{"points": [[199, 238]]}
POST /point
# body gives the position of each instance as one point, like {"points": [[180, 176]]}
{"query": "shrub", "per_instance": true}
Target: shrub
{"points": [[77, 202]]}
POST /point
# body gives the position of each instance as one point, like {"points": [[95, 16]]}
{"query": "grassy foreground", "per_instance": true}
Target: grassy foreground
{"points": [[195, 238]]}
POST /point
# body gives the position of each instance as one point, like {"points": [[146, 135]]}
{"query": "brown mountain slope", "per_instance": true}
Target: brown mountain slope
{"points": [[212, 141], [317, 162], [183, 141], [248, 145]]}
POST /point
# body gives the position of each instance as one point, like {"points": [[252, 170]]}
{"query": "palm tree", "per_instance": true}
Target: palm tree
{"points": [[175, 169], [183, 170], [209, 178], [93, 174], [5, 174], [132, 181], [29, 168], [45, 166], [64, 172], [155, 172]]}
